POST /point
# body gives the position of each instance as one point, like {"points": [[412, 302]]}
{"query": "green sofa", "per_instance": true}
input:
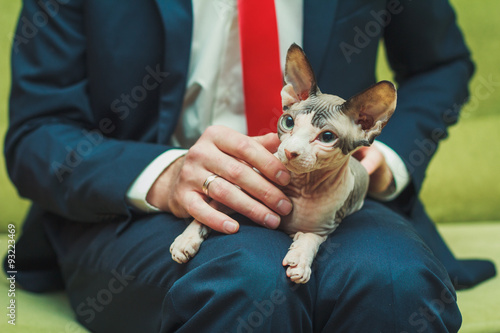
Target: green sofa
{"points": [[461, 192]]}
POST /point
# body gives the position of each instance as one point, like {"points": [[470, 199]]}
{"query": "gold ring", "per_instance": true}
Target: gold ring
{"points": [[207, 182]]}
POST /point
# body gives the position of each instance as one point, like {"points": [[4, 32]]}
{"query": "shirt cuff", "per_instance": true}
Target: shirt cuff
{"points": [[399, 172], [136, 194]]}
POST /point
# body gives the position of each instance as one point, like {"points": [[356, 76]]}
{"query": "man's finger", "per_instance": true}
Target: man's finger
{"points": [[200, 210], [232, 197], [372, 160], [252, 152], [270, 141]]}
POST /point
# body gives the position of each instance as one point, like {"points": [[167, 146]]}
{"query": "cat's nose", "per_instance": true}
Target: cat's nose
{"points": [[290, 155]]}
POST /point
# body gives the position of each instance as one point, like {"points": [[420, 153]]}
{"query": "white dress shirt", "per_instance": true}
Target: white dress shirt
{"points": [[214, 93]]}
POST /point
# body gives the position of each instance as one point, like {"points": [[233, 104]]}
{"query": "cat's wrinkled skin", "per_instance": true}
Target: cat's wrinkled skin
{"points": [[318, 133]]}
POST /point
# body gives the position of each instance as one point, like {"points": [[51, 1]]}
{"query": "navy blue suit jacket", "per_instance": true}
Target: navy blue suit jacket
{"points": [[97, 91]]}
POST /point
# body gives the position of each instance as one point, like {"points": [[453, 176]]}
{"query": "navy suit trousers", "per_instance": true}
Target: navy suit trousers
{"points": [[373, 274]]}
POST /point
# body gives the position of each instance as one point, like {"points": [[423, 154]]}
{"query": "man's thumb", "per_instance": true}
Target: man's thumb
{"points": [[270, 141]]}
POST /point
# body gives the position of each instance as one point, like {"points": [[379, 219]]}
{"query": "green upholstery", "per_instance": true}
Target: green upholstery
{"points": [[461, 190], [480, 306]]}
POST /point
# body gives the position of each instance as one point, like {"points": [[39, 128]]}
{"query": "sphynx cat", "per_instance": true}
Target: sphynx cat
{"points": [[319, 133]]}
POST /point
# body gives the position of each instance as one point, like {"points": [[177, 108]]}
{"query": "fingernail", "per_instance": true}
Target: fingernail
{"points": [[272, 221], [230, 227], [282, 177], [284, 207]]}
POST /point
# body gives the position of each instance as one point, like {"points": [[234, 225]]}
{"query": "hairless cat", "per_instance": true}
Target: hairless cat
{"points": [[319, 133]]}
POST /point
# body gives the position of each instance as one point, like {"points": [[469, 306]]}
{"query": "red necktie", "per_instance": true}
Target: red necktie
{"points": [[260, 58]]}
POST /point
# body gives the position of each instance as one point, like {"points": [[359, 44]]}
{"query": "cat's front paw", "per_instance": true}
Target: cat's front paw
{"points": [[187, 244], [299, 265], [300, 256], [185, 247]]}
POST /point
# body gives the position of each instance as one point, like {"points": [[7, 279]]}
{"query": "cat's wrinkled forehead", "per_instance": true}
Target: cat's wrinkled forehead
{"points": [[325, 112], [324, 107]]}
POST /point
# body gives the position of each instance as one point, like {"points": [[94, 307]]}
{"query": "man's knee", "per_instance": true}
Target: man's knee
{"points": [[424, 295], [387, 270], [249, 289]]}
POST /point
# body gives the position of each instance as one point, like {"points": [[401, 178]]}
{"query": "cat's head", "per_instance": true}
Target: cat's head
{"points": [[320, 130]]}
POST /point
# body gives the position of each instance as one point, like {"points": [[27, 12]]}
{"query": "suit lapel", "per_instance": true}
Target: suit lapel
{"points": [[319, 17], [177, 17]]}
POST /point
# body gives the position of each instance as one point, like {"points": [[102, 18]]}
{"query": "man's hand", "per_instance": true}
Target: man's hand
{"points": [[374, 162], [231, 156]]}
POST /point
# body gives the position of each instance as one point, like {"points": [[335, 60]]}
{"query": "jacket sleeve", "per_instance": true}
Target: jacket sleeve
{"points": [[57, 154], [432, 66]]}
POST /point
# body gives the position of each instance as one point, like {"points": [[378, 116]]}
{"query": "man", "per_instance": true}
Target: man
{"points": [[104, 93]]}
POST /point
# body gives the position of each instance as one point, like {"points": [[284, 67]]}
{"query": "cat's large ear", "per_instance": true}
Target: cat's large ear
{"points": [[299, 78], [372, 108]]}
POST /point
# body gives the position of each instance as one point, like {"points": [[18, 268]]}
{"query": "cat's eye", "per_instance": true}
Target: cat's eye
{"points": [[287, 122], [327, 137]]}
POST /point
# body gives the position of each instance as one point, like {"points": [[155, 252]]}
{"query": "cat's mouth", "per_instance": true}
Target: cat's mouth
{"points": [[297, 166], [297, 170]]}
